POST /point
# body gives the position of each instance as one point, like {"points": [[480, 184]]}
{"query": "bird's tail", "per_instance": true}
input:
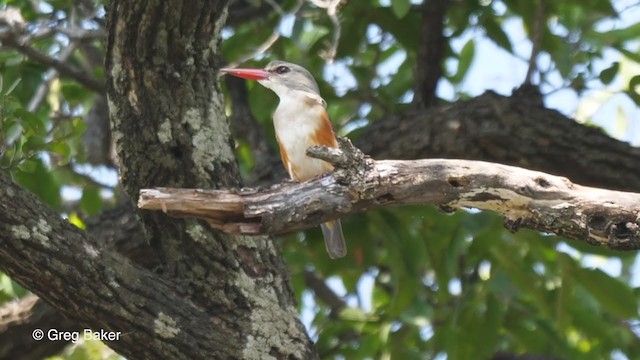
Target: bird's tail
{"points": [[333, 239]]}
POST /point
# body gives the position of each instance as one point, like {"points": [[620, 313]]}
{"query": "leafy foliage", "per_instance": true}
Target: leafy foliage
{"points": [[418, 283]]}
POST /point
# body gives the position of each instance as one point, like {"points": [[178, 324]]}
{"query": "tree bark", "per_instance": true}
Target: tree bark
{"points": [[169, 126], [117, 229], [431, 51], [102, 290]]}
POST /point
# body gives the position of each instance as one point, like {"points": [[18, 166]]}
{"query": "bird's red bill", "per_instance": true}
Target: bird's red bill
{"points": [[251, 74]]}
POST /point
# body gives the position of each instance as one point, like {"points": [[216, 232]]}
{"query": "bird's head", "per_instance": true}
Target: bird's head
{"points": [[279, 76]]}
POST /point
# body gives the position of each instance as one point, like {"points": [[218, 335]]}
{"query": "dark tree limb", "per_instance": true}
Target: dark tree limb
{"points": [[430, 52], [539, 27], [100, 289], [117, 229], [323, 292], [14, 40], [525, 198]]}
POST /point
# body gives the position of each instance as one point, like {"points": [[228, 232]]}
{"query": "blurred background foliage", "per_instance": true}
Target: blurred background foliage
{"points": [[418, 283]]}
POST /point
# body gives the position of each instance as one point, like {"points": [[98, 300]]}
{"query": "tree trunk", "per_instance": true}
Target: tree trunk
{"points": [[170, 129], [214, 296]]}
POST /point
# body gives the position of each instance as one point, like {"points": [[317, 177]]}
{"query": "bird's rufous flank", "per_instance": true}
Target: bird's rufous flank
{"points": [[300, 121]]}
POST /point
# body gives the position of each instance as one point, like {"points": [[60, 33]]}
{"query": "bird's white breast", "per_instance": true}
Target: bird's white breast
{"points": [[296, 120]]}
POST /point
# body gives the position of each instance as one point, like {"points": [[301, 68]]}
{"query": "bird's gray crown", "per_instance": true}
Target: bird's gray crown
{"points": [[293, 76]]}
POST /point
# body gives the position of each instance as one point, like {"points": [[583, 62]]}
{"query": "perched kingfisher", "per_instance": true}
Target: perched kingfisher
{"points": [[301, 121]]}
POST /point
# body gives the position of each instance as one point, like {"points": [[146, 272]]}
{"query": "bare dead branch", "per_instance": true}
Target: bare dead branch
{"points": [[525, 198]]}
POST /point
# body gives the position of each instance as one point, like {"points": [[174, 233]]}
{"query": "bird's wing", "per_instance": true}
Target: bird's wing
{"points": [[324, 134], [285, 160]]}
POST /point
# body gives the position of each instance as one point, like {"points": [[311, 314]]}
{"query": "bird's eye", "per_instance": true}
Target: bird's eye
{"points": [[282, 69]]}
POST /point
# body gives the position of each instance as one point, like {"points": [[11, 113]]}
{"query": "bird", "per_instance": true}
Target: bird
{"points": [[301, 121]]}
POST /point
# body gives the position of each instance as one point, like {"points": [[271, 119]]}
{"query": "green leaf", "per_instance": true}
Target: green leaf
{"points": [[634, 89], [9, 289], [32, 121], [621, 35], [91, 201], [42, 183], [12, 131], [400, 7], [29, 165], [630, 54], [495, 33], [69, 129], [607, 75], [464, 61], [33, 144], [61, 148], [298, 30], [634, 84], [354, 314], [613, 295]]}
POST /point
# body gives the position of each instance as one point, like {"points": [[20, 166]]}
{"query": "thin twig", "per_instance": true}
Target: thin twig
{"points": [[49, 77], [268, 43], [332, 12], [84, 179], [82, 34], [323, 291]]}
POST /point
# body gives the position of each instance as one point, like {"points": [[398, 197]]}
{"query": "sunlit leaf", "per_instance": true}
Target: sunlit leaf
{"points": [[464, 61], [496, 33], [400, 7], [607, 75], [76, 221]]}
